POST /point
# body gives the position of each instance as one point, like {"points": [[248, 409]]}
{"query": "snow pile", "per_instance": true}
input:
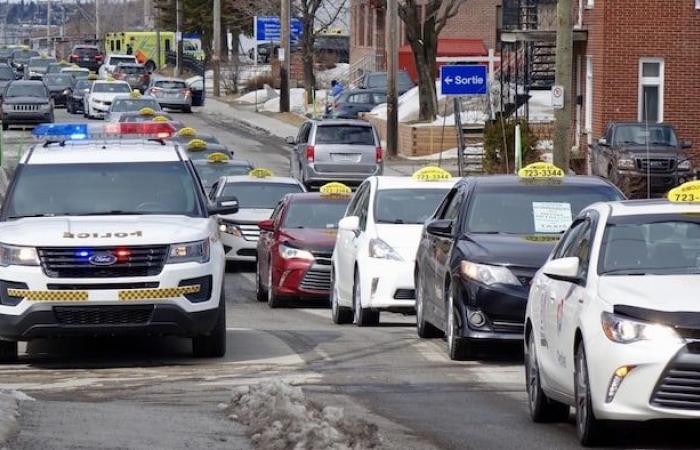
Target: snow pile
{"points": [[9, 413], [339, 72], [297, 101], [279, 417], [253, 97], [540, 107]]}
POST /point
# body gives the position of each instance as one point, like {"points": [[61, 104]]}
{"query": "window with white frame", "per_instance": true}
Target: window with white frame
{"points": [[651, 90], [591, 3]]}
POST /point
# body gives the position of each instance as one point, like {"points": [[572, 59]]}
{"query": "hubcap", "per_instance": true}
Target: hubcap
{"points": [[450, 321], [533, 373], [356, 302], [581, 393], [269, 285]]}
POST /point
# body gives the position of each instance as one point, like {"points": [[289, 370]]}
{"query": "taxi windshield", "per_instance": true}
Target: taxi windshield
{"points": [[103, 189], [58, 80], [406, 206], [209, 173], [133, 105], [259, 195], [651, 244], [531, 209], [316, 214], [111, 88]]}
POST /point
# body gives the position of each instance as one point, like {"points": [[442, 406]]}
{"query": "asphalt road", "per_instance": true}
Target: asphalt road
{"points": [[150, 394]]}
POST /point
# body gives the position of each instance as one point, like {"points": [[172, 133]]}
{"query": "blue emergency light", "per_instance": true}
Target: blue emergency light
{"points": [[93, 131]]}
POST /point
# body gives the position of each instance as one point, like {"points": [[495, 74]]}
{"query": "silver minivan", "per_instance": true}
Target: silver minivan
{"points": [[347, 151]]}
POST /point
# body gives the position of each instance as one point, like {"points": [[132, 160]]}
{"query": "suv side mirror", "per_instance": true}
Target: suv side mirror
{"points": [[225, 205], [563, 269], [441, 228], [291, 140], [603, 142], [687, 144], [267, 225]]}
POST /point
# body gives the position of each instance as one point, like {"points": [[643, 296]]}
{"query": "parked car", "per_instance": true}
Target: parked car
{"points": [[355, 101], [20, 58], [75, 72], [336, 150], [111, 63], [37, 66], [172, 93], [7, 75], [76, 94], [26, 102], [56, 67], [87, 56], [630, 152], [128, 104], [135, 74], [58, 84], [373, 80]]}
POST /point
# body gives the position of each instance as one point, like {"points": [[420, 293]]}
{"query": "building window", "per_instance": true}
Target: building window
{"points": [[590, 3], [651, 90]]}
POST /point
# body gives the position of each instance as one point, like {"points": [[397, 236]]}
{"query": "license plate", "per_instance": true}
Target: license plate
{"points": [[86, 59], [344, 157]]}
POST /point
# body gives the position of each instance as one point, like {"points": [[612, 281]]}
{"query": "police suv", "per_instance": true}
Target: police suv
{"points": [[105, 236]]}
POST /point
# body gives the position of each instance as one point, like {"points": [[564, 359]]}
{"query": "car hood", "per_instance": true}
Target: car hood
{"points": [[310, 239], [104, 231], [25, 100], [508, 249], [105, 97], [57, 88], [404, 238], [652, 291], [248, 216]]}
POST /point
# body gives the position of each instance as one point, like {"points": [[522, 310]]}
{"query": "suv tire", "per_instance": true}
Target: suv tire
{"points": [[213, 345], [8, 351]]}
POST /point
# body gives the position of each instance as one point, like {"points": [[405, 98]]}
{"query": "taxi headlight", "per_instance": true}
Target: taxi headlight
{"points": [[197, 251], [287, 252], [626, 164], [11, 255], [381, 250], [230, 228], [626, 331], [488, 274]]}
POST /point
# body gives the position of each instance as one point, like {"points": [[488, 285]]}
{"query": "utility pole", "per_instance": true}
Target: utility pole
{"points": [[159, 62], [563, 77], [48, 25], [392, 100], [178, 37], [97, 22], [284, 56], [216, 58]]}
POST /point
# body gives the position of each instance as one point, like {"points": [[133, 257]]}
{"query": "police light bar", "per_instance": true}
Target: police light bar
{"points": [[107, 131]]}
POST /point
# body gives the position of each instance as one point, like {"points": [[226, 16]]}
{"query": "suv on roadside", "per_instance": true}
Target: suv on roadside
{"points": [[87, 56], [26, 102], [629, 152], [135, 74]]}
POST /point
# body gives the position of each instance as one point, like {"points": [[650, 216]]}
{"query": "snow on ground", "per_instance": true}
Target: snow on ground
{"points": [[339, 72], [253, 97], [297, 102], [540, 105], [280, 417], [9, 413]]}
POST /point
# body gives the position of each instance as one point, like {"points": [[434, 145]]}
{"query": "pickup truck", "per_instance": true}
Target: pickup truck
{"points": [[642, 158]]}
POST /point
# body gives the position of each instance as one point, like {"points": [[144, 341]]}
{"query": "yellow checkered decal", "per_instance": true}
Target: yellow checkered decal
{"points": [[150, 294], [49, 296]]}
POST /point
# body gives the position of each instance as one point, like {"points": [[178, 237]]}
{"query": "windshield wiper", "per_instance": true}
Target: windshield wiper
{"points": [[28, 216], [629, 272], [392, 222], [114, 212]]}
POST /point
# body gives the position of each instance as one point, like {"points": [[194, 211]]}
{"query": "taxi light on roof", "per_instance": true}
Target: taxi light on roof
{"points": [[160, 119], [541, 170], [135, 93], [147, 112], [84, 131], [217, 157], [335, 188], [685, 193], [431, 174], [260, 173], [187, 132], [92, 77], [196, 145]]}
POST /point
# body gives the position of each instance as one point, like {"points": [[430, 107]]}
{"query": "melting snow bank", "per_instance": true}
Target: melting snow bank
{"points": [[9, 413], [280, 417]]}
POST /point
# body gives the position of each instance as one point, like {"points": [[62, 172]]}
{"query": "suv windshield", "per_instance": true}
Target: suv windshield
{"points": [[132, 104], [531, 209], [344, 134], [111, 88], [259, 195], [651, 244], [27, 90], [639, 134], [315, 214], [116, 60], [97, 189], [406, 206], [58, 80], [81, 84], [6, 73]]}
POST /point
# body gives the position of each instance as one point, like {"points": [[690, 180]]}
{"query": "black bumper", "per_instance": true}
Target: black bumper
{"points": [[25, 119], [503, 306], [76, 104], [54, 321], [59, 99]]}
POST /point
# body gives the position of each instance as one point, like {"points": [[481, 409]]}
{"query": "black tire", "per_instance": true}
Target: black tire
{"points": [[341, 315], [542, 408], [8, 351], [260, 291], [5, 126], [363, 317], [590, 431], [458, 348], [69, 108], [273, 301], [425, 329], [150, 66], [187, 110], [213, 345]]}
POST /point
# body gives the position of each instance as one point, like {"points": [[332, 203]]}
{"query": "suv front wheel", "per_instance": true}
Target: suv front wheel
{"points": [[213, 345]]}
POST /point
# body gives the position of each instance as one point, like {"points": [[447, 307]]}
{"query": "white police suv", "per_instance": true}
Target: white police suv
{"points": [[105, 236]]}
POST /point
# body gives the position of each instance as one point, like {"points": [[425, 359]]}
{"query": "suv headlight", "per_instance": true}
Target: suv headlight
{"points": [[287, 252], [626, 164], [381, 250], [684, 165], [488, 274], [197, 251], [626, 331], [230, 228], [11, 255]]}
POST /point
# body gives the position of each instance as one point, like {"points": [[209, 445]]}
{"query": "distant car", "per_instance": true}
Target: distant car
{"points": [[26, 102], [196, 85], [56, 67], [172, 93], [355, 101], [135, 74], [127, 104], [7, 75], [75, 71], [112, 62], [101, 95], [20, 58], [210, 170], [5, 55], [37, 66], [58, 84], [372, 80], [137, 117], [76, 93], [347, 151], [87, 56]]}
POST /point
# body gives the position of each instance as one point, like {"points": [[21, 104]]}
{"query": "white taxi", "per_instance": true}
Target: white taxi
{"points": [[101, 95], [375, 252], [613, 321]]}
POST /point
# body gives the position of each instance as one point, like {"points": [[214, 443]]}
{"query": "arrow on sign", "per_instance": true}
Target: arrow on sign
{"points": [[448, 80]]}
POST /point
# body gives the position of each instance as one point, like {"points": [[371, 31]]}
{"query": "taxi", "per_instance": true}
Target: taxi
{"points": [[185, 135], [258, 193], [296, 245], [219, 165], [101, 95], [613, 319], [375, 250], [481, 248], [200, 149], [149, 115]]}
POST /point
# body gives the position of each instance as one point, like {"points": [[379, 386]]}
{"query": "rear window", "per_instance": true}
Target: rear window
{"points": [[377, 80], [134, 104], [115, 60], [168, 84], [85, 51], [260, 195], [132, 70], [112, 88], [345, 134], [209, 173], [318, 214]]}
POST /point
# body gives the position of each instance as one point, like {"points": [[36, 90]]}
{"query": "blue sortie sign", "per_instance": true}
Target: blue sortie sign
{"points": [[463, 80], [269, 28]]}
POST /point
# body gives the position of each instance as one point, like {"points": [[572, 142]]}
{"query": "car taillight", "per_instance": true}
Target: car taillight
{"points": [[310, 153], [379, 154], [98, 57], [74, 56], [186, 92]]}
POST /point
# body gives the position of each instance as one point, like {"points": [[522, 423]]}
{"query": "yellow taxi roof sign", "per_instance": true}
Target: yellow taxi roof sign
{"points": [[187, 132], [541, 170], [92, 77], [431, 173], [685, 193], [217, 157], [160, 119], [260, 173], [335, 188], [196, 145], [147, 112], [135, 93]]}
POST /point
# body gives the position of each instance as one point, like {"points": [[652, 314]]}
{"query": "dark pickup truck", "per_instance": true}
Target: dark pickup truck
{"points": [[638, 157]]}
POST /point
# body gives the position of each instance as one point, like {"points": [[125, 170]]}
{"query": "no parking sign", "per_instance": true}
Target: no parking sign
{"points": [[558, 97]]}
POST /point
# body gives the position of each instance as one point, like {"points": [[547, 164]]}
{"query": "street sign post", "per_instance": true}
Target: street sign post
{"points": [[269, 28], [463, 80], [558, 97]]}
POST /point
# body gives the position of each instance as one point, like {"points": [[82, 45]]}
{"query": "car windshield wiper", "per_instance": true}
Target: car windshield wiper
{"points": [[114, 212], [393, 221], [36, 215], [629, 272]]}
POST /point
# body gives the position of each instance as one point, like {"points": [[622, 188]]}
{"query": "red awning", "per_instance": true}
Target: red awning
{"points": [[456, 47]]}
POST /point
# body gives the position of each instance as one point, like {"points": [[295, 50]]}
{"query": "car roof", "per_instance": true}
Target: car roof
{"points": [[331, 122], [618, 123], [302, 197], [366, 91], [119, 55], [50, 58], [392, 182], [130, 64], [140, 97], [512, 180], [28, 82], [651, 207], [269, 180], [228, 162], [169, 79], [83, 152], [94, 47], [111, 82]]}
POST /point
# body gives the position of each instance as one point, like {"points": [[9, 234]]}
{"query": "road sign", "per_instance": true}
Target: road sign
{"points": [[269, 28], [558, 97], [463, 80]]}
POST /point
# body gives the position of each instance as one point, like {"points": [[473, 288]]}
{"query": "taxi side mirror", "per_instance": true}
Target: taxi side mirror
{"points": [[224, 205], [291, 140], [687, 144], [441, 228], [267, 225], [563, 269], [350, 223]]}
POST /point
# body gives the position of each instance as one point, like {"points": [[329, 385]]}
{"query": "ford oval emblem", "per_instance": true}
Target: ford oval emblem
{"points": [[102, 259]]}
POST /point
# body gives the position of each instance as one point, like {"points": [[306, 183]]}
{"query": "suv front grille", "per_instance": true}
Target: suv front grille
{"points": [[250, 232], [25, 108], [66, 263], [655, 165], [103, 315]]}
